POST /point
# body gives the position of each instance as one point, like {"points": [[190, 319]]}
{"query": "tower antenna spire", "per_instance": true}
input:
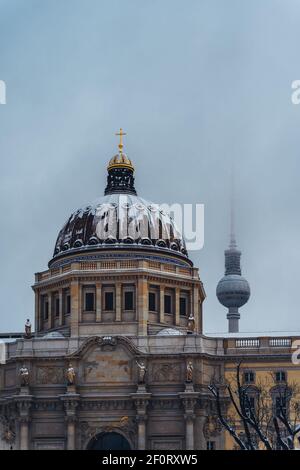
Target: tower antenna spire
{"points": [[232, 243]]}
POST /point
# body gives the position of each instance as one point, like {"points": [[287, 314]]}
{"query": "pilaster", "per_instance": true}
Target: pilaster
{"points": [[60, 318], [141, 400], [98, 301], [23, 403], [118, 301], [70, 405], [177, 306], [162, 304], [142, 309], [189, 399], [75, 306]]}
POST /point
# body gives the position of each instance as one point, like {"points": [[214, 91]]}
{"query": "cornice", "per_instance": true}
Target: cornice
{"points": [[153, 276]]}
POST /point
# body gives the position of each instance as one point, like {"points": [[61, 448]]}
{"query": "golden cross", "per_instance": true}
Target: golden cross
{"points": [[121, 133]]}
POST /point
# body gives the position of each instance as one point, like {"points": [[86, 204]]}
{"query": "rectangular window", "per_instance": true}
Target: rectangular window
{"points": [[182, 305], [57, 306], [248, 377], [210, 445], [46, 308], [280, 376], [109, 301], [280, 406], [250, 405], [68, 304], [89, 302], [128, 300], [152, 301], [168, 304]]}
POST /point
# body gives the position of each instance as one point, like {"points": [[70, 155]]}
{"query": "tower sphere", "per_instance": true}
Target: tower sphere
{"points": [[233, 290]]}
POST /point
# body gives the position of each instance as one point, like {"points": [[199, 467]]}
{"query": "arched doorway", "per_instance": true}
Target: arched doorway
{"points": [[109, 441]]}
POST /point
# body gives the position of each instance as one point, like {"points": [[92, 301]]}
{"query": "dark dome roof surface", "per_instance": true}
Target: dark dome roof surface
{"points": [[119, 220]]}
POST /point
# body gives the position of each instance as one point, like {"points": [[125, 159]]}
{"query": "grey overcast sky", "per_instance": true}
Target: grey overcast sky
{"points": [[196, 84]]}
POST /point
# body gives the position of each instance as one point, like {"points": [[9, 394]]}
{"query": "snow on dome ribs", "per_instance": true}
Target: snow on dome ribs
{"points": [[119, 220]]}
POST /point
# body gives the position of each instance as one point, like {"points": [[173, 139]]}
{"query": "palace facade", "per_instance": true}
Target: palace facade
{"points": [[118, 358]]}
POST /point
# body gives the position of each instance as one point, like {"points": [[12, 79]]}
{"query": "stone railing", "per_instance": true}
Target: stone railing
{"points": [[263, 344], [118, 265]]}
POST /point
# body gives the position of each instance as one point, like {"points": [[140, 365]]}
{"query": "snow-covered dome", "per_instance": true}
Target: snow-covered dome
{"points": [[119, 219]]}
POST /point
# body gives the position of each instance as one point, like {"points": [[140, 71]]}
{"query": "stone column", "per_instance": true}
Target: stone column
{"points": [[162, 304], [70, 405], [60, 318], [177, 306], [98, 301], [189, 431], [24, 433], [38, 322], [118, 301], [50, 312], [71, 436], [80, 303], [195, 308], [200, 317], [189, 401], [74, 292], [24, 405], [141, 421], [142, 303], [141, 400], [199, 443]]}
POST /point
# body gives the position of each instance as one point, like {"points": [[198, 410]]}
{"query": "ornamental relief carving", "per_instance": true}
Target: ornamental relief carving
{"points": [[106, 359], [105, 405], [167, 445], [50, 375], [167, 372], [211, 427], [165, 404], [127, 425], [104, 366], [197, 373]]}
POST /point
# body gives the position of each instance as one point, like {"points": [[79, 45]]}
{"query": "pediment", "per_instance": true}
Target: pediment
{"points": [[106, 360], [105, 343]]}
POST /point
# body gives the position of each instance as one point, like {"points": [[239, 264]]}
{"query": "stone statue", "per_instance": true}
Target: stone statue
{"points": [[189, 372], [24, 376], [8, 436], [191, 323], [70, 374], [142, 372], [28, 328]]}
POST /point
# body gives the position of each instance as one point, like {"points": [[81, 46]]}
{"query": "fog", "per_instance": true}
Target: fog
{"points": [[197, 86]]}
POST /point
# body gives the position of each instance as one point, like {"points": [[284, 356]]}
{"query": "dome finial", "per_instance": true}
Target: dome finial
{"points": [[121, 133], [120, 160], [120, 171]]}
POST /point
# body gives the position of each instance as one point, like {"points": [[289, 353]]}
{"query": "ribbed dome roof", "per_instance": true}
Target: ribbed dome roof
{"points": [[119, 220]]}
